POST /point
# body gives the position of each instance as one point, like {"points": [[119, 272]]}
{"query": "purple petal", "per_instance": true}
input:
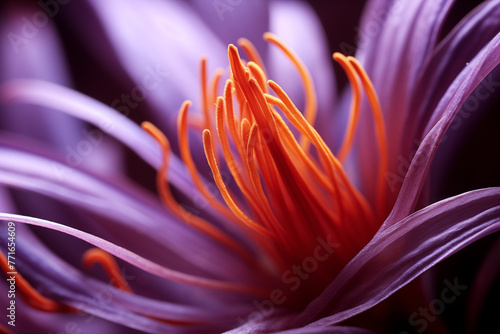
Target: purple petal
{"points": [[58, 280], [30, 320], [110, 122], [231, 20], [374, 15], [157, 45], [128, 209], [398, 254], [33, 52], [407, 37], [107, 119], [462, 87], [249, 328], [133, 258], [6, 203], [62, 282], [458, 48]]}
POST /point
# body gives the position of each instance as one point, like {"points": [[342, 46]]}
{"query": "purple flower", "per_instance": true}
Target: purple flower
{"points": [[281, 208]]}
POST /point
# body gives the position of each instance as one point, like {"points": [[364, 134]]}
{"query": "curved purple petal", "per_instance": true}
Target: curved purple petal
{"points": [[31, 52], [462, 87], [30, 320], [57, 279], [231, 20], [128, 209], [134, 259], [403, 251], [107, 119], [375, 14], [449, 58], [155, 46], [407, 38], [249, 328], [60, 281]]}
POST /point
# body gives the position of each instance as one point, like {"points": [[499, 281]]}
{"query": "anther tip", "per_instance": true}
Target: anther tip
{"points": [[338, 55], [241, 41], [146, 125], [232, 48], [268, 35]]}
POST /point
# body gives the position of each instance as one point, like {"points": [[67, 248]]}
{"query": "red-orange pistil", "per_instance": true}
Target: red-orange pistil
{"points": [[295, 195]]}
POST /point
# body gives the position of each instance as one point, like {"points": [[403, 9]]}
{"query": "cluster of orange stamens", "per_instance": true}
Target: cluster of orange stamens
{"points": [[288, 194]]}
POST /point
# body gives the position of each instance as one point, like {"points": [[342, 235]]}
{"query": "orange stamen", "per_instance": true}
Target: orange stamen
{"points": [[169, 201], [294, 115], [204, 93], [289, 138], [255, 179], [264, 117], [29, 294], [291, 177], [234, 167], [330, 162], [251, 53], [209, 153], [231, 121], [258, 74], [182, 133], [299, 153], [108, 263], [355, 105], [305, 75], [379, 131], [245, 130], [215, 84]]}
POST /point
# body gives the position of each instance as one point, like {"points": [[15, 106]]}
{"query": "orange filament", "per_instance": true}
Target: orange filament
{"points": [[209, 152], [380, 133], [30, 295], [170, 202], [98, 256], [256, 199], [251, 53], [182, 132], [355, 105], [258, 74], [234, 167], [204, 92], [108, 263], [310, 94], [215, 84]]}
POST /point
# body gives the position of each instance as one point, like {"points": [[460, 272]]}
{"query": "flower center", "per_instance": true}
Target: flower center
{"points": [[288, 192], [279, 182]]}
